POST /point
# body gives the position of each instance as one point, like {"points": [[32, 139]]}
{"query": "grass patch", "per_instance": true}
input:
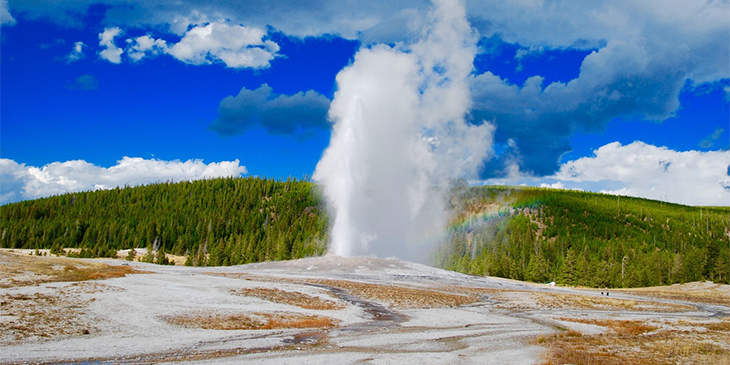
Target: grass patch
{"points": [[703, 292], [291, 298], [399, 296], [636, 342], [40, 317], [250, 321], [25, 270]]}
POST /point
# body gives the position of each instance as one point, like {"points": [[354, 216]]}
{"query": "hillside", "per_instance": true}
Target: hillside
{"points": [[533, 234], [215, 222], [579, 238]]}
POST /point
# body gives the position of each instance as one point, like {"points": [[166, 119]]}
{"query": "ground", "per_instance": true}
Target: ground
{"points": [[344, 311]]}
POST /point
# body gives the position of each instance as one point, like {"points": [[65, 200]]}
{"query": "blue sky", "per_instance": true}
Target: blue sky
{"points": [[205, 83]]}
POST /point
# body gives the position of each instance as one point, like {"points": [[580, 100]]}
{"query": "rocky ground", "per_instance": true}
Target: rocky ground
{"points": [[342, 310]]}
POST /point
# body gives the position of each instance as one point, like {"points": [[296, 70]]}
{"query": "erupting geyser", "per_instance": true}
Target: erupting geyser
{"points": [[399, 133]]}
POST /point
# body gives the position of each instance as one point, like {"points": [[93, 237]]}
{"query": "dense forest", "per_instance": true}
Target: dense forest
{"points": [[589, 239], [214, 222], [541, 235]]}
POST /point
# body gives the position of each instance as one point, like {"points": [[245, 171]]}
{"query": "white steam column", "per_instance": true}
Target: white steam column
{"points": [[398, 134]]}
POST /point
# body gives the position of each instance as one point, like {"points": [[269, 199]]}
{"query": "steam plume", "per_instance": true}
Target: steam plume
{"points": [[399, 133]]}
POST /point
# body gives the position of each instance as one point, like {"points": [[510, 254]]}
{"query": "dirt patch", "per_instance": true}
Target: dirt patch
{"points": [[23, 270], [291, 298], [250, 321]]}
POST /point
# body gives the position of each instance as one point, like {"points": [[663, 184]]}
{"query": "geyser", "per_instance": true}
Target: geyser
{"points": [[399, 133]]}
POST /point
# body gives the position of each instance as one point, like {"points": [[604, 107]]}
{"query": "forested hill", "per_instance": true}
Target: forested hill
{"points": [[534, 234], [578, 238], [223, 221]]}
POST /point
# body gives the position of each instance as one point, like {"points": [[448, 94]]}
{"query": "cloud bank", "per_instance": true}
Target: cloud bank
{"points": [[5, 17], [642, 170], [21, 182], [692, 177], [278, 113], [643, 55]]}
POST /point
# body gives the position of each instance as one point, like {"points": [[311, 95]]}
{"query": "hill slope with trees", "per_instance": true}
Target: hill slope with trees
{"points": [[541, 235], [215, 222], [589, 239]]}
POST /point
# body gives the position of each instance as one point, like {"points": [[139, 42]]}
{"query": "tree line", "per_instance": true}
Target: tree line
{"points": [[215, 222], [540, 235], [588, 239]]}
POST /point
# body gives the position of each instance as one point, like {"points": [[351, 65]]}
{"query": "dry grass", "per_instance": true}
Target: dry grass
{"points": [[703, 292], [636, 342], [620, 327], [399, 296], [522, 300], [40, 317], [23, 270], [556, 300], [250, 321], [292, 298]]}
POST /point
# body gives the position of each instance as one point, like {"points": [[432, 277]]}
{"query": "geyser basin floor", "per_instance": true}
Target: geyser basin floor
{"points": [[341, 310]]}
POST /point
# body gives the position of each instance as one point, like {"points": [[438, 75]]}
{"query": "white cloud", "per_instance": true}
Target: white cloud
{"points": [[642, 170], [646, 52], [77, 53], [111, 52], [5, 17], [144, 45], [20, 182], [557, 185], [235, 45]]}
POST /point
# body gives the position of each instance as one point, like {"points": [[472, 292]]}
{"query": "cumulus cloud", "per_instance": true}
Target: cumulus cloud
{"points": [[636, 71], [77, 52], [643, 170], [85, 82], [20, 182], [278, 113], [645, 53], [111, 52], [235, 45], [145, 45], [5, 17], [300, 19]]}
